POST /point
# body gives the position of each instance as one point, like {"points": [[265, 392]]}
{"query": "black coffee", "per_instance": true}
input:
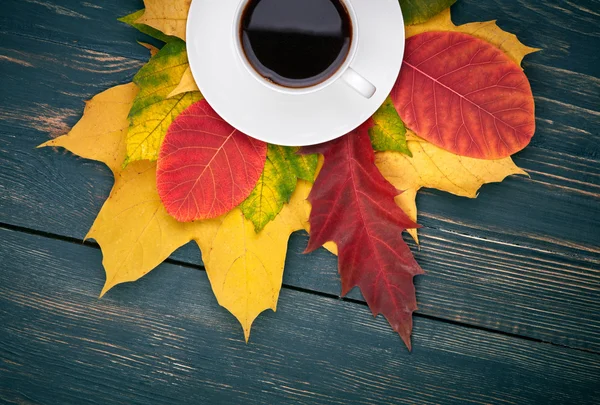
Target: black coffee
{"points": [[296, 43]]}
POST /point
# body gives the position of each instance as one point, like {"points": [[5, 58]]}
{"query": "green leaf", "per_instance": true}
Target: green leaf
{"points": [[418, 11], [152, 112], [389, 132], [143, 28], [278, 181]]}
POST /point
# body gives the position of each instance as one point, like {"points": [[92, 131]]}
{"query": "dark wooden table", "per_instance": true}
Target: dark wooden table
{"points": [[509, 312]]}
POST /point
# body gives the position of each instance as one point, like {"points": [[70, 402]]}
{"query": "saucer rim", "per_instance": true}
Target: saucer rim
{"points": [[317, 136]]}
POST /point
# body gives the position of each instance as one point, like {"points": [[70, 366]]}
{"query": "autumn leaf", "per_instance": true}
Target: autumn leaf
{"points": [[133, 229], [143, 28], [353, 206], [152, 111], [104, 119], [206, 167], [488, 31], [418, 11], [169, 17], [186, 84], [464, 95], [433, 167], [277, 182], [136, 233], [388, 132], [245, 268]]}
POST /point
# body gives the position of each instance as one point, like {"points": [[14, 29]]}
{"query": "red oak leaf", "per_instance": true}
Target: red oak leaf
{"points": [[353, 206], [206, 167], [464, 95]]}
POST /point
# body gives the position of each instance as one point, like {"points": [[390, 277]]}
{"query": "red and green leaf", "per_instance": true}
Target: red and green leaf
{"points": [[206, 167], [277, 183], [464, 95], [353, 206], [388, 132]]}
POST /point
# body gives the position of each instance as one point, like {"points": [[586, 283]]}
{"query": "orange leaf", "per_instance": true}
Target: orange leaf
{"points": [[464, 95]]}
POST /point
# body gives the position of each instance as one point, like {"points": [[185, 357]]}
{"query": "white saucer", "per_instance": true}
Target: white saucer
{"points": [[292, 119]]}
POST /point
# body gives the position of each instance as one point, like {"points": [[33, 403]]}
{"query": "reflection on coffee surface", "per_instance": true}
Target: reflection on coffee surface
{"points": [[296, 43]]}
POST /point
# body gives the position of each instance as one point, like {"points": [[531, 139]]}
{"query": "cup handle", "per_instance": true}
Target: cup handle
{"points": [[359, 83]]}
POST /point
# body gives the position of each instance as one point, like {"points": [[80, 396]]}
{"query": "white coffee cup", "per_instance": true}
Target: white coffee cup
{"points": [[295, 116], [344, 72]]}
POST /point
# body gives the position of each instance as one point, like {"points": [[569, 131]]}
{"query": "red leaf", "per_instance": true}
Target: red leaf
{"points": [[464, 95], [353, 206], [206, 167]]}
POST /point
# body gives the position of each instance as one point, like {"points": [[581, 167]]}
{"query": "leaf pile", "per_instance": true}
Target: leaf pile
{"points": [[460, 107]]}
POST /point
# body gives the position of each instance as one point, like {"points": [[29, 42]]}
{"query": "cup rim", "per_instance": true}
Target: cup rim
{"points": [[241, 56]]}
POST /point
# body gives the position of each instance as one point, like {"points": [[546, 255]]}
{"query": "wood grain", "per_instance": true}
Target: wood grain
{"points": [[148, 343], [90, 25], [523, 258], [61, 194]]}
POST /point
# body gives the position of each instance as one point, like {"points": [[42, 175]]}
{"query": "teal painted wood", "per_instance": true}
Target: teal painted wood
{"points": [[89, 25], [532, 275], [156, 342]]}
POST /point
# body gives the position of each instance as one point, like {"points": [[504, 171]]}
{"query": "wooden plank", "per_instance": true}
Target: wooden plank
{"points": [[567, 31], [493, 285], [555, 210], [89, 25], [156, 342], [61, 194]]}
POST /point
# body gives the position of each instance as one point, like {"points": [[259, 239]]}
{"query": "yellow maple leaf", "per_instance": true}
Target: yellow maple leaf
{"points": [[186, 85], [488, 31], [245, 268], [170, 16], [100, 134], [136, 233], [433, 167], [133, 229]]}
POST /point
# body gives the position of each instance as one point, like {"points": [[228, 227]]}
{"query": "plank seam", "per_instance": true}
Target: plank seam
{"points": [[93, 245]]}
